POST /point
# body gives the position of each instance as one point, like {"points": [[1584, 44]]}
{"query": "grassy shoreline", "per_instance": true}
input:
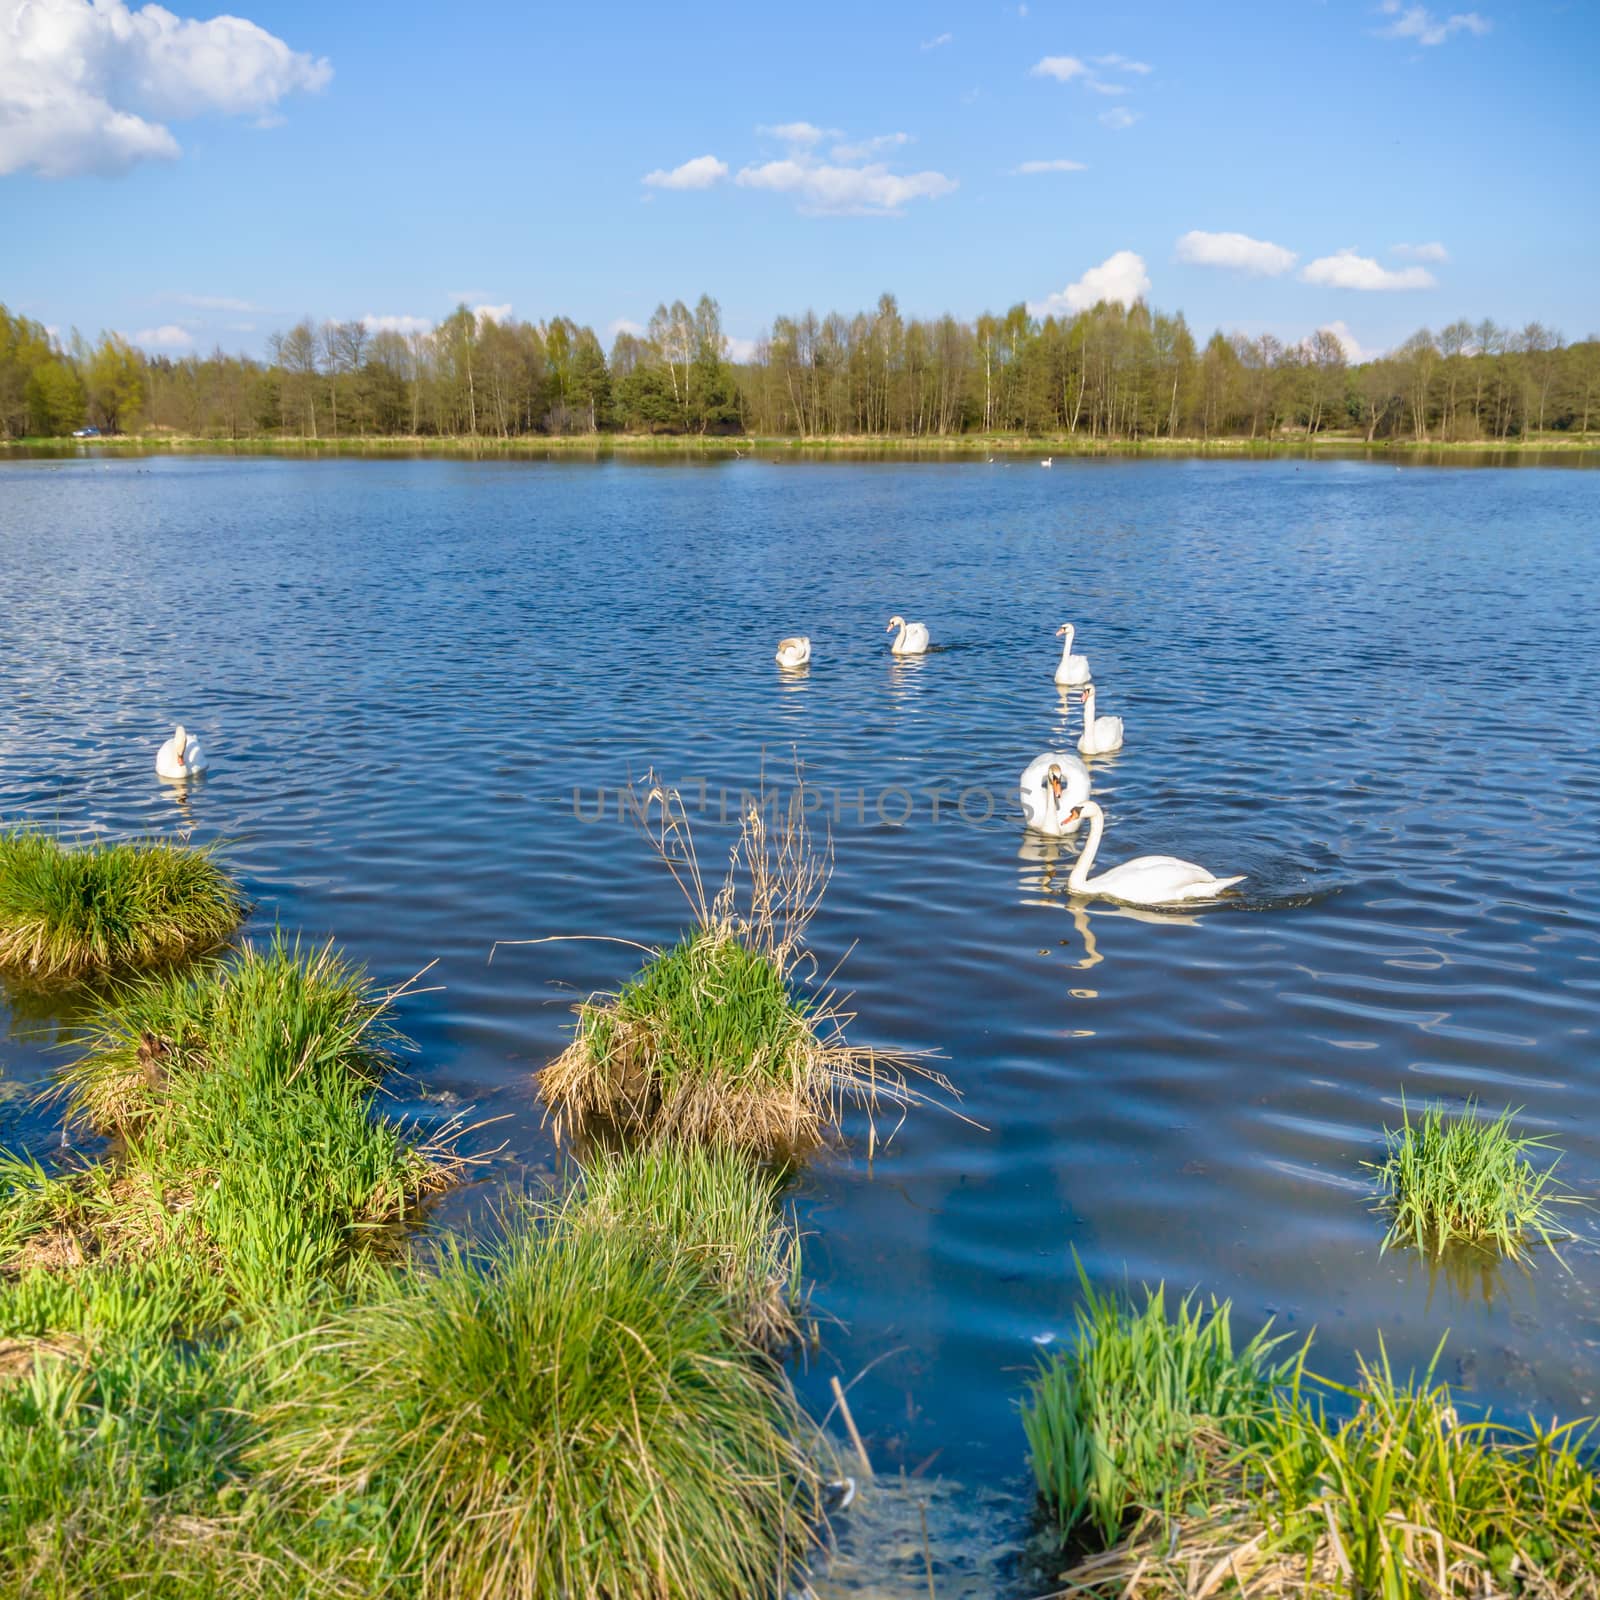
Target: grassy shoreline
{"points": [[1015, 445]]}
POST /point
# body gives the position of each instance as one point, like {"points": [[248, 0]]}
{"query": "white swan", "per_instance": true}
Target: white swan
{"points": [[1071, 670], [1053, 787], [912, 639], [180, 756], [794, 652], [1101, 735], [1144, 881], [1047, 461]]}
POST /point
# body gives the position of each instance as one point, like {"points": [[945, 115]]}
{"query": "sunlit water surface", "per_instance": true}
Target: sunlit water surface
{"points": [[1374, 691]]}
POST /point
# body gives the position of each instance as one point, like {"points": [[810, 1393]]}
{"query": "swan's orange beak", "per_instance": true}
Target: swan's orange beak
{"points": [[1072, 815]]}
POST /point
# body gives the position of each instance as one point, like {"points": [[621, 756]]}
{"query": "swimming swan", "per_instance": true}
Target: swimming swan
{"points": [[1052, 787], [1072, 670], [913, 637], [1144, 881], [180, 756], [1047, 461], [794, 652], [1101, 735]]}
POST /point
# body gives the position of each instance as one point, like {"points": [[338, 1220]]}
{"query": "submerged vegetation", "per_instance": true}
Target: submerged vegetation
{"points": [[70, 912], [1226, 1479], [714, 1038], [1449, 1180]]}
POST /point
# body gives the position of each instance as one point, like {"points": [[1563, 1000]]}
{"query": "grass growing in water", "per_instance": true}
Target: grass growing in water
{"points": [[243, 1097], [1463, 1179], [569, 1415], [713, 1039], [721, 1213], [1401, 1498], [1129, 1416], [68, 913]]}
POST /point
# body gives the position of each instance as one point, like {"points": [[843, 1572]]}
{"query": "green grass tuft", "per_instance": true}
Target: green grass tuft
{"points": [[569, 1413], [714, 1039], [1129, 1416], [243, 1097], [71, 913], [1466, 1180], [721, 1213], [1208, 1473]]}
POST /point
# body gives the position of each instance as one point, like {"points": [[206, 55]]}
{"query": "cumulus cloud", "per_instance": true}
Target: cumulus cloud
{"points": [[1417, 22], [1121, 278], [1421, 252], [740, 349], [492, 314], [865, 149], [169, 336], [1119, 117], [1062, 68], [89, 87], [1236, 250], [1347, 270], [820, 187], [1347, 341], [1061, 165], [801, 133], [938, 40], [391, 324], [700, 173], [625, 325]]}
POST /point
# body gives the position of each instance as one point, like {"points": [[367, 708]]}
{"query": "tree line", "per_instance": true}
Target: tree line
{"points": [[1108, 372]]}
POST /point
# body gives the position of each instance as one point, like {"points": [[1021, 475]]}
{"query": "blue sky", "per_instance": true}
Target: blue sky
{"points": [[1373, 165]]}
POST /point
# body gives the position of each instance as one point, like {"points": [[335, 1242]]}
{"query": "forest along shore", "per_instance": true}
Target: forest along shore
{"points": [[1022, 446]]}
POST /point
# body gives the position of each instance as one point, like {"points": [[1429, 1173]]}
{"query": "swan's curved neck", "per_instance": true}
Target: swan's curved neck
{"points": [[1088, 708], [1078, 879], [1066, 644]]}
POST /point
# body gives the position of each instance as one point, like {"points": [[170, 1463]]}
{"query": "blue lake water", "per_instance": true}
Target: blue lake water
{"points": [[1373, 691]]}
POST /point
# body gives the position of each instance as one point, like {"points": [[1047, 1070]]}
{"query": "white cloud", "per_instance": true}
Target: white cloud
{"points": [[845, 191], [625, 325], [1121, 277], [937, 41], [1123, 64], [1417, 22], [1347, 340], [1119, 117], [1062, 68], [1236, 250], [1421, 252], [492, 314], [85, 87], [1051, 166], [169, 336], [212, 302], [467, 297], [867, 148], [740, 349], [402, 324], [1346, 270], [1101, 87], [700, 173], [801, 133]]}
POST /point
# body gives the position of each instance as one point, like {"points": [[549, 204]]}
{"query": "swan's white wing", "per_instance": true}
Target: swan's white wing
{"points": [[1159, 880]]}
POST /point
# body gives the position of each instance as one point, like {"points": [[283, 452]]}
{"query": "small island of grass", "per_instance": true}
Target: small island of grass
{"points": [[74, 912]]}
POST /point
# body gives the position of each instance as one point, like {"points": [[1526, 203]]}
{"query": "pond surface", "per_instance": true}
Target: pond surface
{"points": [[1371, 689]]}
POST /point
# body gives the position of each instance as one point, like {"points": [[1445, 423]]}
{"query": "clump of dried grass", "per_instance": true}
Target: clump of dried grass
{"points": [[721, 1037]]}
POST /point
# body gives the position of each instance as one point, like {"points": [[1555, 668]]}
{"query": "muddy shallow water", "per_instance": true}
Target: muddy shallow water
{"points": [[425, 684]]}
